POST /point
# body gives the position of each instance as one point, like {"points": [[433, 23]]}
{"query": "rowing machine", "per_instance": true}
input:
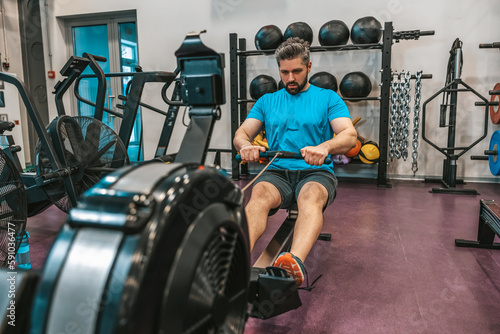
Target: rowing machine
{"points": [[272, 292]]}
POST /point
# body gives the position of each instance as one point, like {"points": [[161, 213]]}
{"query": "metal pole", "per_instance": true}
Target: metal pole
{"points": [[382, 179], [233, 77]]}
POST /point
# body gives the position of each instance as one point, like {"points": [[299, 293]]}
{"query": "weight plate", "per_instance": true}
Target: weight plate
{"points": [[493, 160], [495, 114]]}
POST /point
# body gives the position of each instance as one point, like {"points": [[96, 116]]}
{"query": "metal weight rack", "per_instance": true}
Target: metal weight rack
{"points": [[238, 55]]}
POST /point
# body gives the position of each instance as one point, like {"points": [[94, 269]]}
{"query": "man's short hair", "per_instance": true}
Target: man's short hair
{"points": [[293, 47]]}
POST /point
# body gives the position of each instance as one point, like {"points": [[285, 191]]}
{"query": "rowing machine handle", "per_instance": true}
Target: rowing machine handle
{"points": [[284, 155]]}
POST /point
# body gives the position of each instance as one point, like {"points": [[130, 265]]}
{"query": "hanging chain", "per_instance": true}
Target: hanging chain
{"points": [[416, 121], [400, 117], [393, 118], [405, 115], [397, 140]]}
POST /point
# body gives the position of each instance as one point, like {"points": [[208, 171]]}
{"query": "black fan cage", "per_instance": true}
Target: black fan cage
{"points": [[91, 147], [217, 300], [13, 210]]}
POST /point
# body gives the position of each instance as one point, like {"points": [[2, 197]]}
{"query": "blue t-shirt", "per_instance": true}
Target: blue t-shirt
{"points": [[293, 122]]}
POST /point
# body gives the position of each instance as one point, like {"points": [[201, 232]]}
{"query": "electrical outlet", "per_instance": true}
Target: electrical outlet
{"points": [[4, 117]]}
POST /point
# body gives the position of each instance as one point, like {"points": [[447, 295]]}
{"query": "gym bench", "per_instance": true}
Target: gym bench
{"points": [[488, 227]]}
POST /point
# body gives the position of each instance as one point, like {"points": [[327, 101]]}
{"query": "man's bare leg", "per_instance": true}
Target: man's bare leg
{"points": [[264, 197]]}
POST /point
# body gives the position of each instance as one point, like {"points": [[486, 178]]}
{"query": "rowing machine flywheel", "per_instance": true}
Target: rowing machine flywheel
{"points": [[85, 145], [153, 248]]}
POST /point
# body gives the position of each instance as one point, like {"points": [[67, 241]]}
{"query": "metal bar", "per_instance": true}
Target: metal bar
{"points": [[197, 138], [424, 117], [382, 179], [452, 118], [356, 99], [35, 117], [455, 90], [424, 76], [90, 103], [490, 45], [168, 125], [280, 241], [134, 98], [372, 46], [108, 75], [243, 91], [233, 79], [61, 90], [226, 150], [482, 104], [486, 114], [101, 86]]}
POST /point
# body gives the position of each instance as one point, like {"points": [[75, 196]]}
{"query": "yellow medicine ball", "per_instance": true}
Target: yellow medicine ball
{"points": [[369, 152]]}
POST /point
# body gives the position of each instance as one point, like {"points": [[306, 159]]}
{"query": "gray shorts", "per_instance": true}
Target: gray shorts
{"points": [[289, 183]]}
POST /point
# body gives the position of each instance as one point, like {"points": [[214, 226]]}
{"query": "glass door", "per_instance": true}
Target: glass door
{"points": [[116, 40]]}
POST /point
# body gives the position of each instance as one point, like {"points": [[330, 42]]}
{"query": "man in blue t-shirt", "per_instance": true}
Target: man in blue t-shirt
{"points": [[299, 118]]}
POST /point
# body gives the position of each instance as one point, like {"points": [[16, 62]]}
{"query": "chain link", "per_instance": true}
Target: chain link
{"points": [[399, 106], [400, 117], [416, 121], [405, 115], [393, 117]]}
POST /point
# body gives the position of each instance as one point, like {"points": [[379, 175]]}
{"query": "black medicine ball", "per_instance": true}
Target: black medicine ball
{"points": [[324, 80], [299, 29], [333, 32], [262, 84], [355, 84], [366, 30], [268, 37]]}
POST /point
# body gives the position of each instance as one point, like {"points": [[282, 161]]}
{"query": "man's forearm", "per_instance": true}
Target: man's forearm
{"points": [[341, 143], [241, 140]]}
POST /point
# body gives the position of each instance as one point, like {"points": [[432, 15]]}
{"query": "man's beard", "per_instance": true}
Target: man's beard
{"points": [[296, 90]]}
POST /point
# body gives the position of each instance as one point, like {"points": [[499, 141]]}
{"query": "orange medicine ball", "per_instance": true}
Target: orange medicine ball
{"points": [[355, 150]]}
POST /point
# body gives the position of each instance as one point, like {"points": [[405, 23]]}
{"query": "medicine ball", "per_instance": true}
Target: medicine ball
{"points": [[268, 37], [334, 32], [340, 159], [355, 84], [281, 85], [369, 152], [366, 30], [262, 84], [324, 80], [299, 29], [355, 150]]}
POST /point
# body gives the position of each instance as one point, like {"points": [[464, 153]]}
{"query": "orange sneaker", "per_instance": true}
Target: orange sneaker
{"points": [[293, 266]]}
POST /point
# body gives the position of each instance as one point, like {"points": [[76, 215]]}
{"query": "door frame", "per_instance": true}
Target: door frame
{"points": [[111, 19]]}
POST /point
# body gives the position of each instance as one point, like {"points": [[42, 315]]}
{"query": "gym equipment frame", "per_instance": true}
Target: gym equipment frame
{"points": [[450, 92], [61, 176], [171, 237]]}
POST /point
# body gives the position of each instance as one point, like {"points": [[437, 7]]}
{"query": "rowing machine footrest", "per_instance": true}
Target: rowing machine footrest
{"points": [[277, 294]]}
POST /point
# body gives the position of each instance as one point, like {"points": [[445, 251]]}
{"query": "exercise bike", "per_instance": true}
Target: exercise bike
{"points": [[73, 153], [132, 100]]}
